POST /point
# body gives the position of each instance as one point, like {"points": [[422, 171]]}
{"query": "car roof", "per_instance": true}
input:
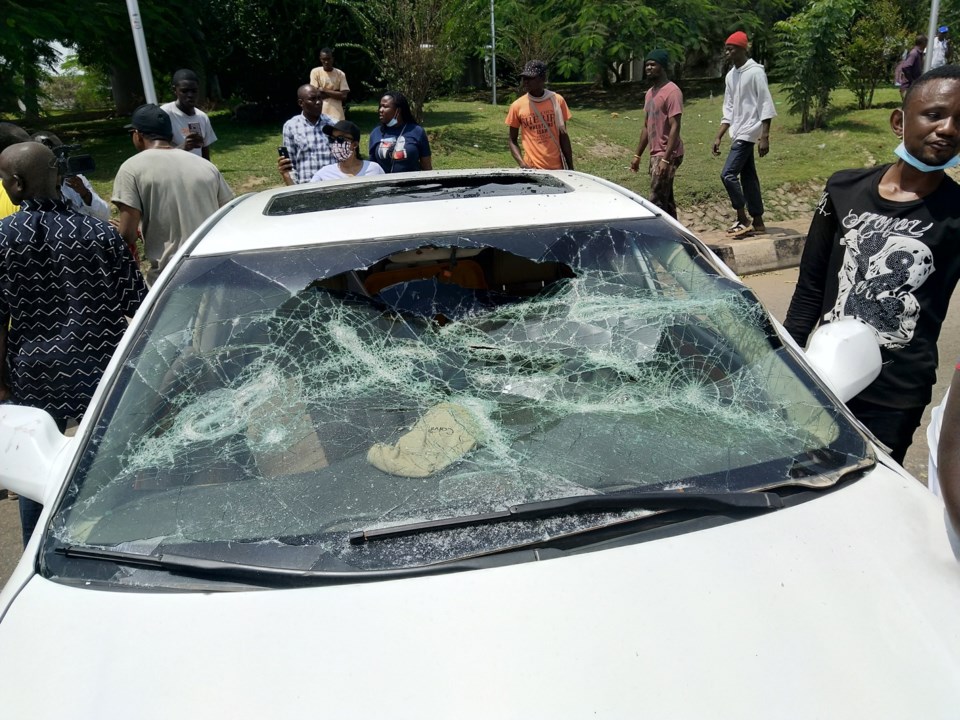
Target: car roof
{"points": [[410, 204]]}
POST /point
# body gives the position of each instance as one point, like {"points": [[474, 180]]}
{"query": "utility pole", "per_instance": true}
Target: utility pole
{"points": [[493, 52], [931, 32], [140, 43]]}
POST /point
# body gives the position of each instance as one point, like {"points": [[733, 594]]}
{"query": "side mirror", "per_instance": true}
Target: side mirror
{"points": [[846, 354], [29, 445]]}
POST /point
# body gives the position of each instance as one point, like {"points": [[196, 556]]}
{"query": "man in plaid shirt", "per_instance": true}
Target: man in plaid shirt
{"points": [[307, 146]]}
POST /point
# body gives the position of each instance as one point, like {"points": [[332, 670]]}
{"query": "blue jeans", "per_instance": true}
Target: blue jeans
{"points": [[739, 176]]}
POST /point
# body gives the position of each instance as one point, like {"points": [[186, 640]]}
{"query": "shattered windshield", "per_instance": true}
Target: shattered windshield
{"points": [[280, 400]]}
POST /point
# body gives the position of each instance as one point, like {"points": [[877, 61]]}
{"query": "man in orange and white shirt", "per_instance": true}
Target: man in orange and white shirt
{"points": [[538, 119]]}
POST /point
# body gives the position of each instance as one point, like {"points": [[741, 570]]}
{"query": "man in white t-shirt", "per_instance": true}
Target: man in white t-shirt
{"points": [[940, 48], [76, 189], [191, 127], [747, 112], [332, 84]]}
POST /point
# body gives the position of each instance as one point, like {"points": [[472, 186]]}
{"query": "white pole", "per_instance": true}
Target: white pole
{"points": [[931, 33], [493, 52], [140, 42]]}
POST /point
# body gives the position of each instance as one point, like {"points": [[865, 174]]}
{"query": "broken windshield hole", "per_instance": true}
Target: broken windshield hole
{"points": [[441, 379]]}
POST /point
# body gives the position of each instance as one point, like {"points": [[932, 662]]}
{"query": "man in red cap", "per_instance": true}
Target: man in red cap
{"points": [[747, 112]]}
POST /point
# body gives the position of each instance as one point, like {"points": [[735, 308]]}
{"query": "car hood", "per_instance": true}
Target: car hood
{"points": [[845, 606]]}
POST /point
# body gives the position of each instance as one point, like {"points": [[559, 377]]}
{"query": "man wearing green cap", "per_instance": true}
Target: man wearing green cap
{"points": [[663, 107]]}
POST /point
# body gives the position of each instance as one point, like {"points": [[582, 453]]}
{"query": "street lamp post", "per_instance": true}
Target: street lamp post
{"points": [[493, 52], [140, 43], [931, 33]]}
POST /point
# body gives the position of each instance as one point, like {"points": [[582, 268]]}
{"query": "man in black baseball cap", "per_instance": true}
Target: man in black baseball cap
{"points": [[534, 69], [169, 194], [151, 122], [542, 114]]}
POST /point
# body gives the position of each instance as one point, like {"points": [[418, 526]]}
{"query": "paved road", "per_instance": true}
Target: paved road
{"points": [[774, 290], [9, 538]]}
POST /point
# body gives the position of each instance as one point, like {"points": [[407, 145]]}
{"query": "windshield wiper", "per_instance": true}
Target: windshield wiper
{"points": [[262, 574], [172, 562], [670, 500]]}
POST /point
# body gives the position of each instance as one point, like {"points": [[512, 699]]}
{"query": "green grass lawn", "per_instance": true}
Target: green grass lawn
{"points": [[468, 134]]}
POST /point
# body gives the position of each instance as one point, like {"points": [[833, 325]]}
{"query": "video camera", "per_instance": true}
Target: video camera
{"points": [[68, 164]]}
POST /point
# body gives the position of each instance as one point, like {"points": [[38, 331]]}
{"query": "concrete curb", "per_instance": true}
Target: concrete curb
{"points": [[780, 247]]}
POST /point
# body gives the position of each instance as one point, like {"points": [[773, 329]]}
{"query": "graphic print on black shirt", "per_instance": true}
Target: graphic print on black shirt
{"points": [[884, 262]]}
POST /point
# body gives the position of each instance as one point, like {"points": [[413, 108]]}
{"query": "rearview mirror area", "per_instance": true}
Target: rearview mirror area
{"points": [[29, 444], [846, 354]]}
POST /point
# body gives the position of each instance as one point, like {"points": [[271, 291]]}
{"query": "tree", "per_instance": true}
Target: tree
{"points": [[76, 88], [809, 65], [874, 48], [528, 31], [417, 47], [25, 52]]}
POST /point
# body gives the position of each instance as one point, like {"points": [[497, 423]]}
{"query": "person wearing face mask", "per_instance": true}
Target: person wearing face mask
{"points": [[883, 248], [345, 146], [399, 144]]}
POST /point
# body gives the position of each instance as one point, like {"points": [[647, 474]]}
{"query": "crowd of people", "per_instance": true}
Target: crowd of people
{"points": [[880, 247]]}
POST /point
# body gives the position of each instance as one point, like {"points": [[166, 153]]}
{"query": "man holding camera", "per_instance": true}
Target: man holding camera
{"points": [[75, 188], [67, 283]]}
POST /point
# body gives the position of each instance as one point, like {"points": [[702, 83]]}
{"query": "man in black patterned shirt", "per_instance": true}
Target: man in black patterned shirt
{"points": [[67, 284], [883, 248]]}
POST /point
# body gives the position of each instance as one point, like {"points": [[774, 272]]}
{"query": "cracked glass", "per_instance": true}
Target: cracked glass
{"points": [[277, 401]]}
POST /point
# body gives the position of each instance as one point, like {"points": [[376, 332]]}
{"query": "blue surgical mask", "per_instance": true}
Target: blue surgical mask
{"points": [[392, 122], [901, 152]]}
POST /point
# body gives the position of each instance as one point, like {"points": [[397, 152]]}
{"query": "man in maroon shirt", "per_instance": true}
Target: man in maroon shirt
{"points": [[663, 108]]}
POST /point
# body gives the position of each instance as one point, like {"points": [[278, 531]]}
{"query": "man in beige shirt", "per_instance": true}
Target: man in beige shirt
{"points": [[333, 85]]}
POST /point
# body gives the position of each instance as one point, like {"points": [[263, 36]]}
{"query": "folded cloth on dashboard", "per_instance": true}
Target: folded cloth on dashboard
{"points": [[442, 436]]}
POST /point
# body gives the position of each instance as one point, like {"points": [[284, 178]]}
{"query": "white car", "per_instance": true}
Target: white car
{"points": [[471, 444]]}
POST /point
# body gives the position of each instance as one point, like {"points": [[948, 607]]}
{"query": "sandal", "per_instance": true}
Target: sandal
{"points": [[738, 229]]}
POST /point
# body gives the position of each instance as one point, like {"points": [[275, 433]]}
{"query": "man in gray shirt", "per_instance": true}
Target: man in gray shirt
{"points": [[169, 194]]}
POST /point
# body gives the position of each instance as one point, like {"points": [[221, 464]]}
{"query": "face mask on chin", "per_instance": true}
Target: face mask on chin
{"points": [[904, 154], [393, 122]]}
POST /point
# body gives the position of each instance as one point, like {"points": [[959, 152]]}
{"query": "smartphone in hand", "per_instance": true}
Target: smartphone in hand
{"points": [[283, 152]]}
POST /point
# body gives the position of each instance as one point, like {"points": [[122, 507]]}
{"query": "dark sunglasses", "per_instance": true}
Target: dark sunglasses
{"points": [[341, 140]]}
